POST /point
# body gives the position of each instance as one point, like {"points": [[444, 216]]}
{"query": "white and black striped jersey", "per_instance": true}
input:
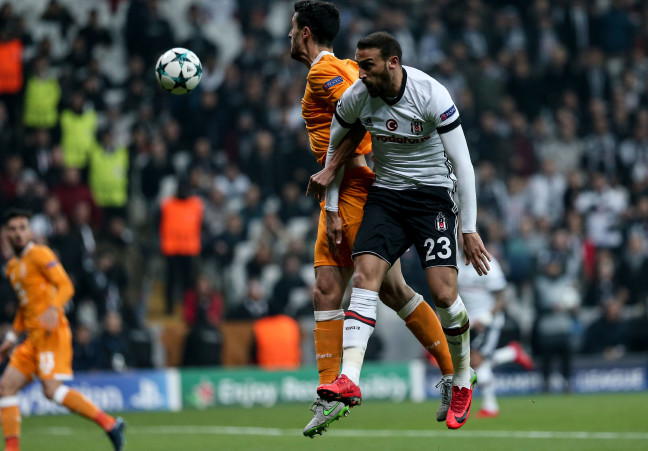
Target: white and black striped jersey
{"points": [[477, 292], [405, 130]]}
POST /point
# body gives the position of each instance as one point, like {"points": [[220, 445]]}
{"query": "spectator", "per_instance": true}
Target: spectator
{"points": [[78, 131], [94, 34], [607, 335], [109, 164], [11, 79], [84, 349], [42, 96], [203, 304], [181, 221], [156, 168], [112, 347], [72, 192], [58, 14], [255, 305], [556, 301], [289, 281]]}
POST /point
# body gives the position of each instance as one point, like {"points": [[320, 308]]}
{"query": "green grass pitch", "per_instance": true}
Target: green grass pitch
{"points": [[534, 422]]}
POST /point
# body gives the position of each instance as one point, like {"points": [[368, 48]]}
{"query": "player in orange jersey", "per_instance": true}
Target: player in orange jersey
{"points": [[43, 288], [314, 25]]}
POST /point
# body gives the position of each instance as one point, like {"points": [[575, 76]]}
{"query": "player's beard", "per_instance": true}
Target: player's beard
{"points": [[379, 86], [294, 51]]}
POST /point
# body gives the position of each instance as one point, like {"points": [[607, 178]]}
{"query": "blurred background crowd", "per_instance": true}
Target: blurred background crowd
{"points": [[553, 97]]}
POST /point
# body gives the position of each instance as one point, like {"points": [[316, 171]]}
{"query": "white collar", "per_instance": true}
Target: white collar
{"points": [[319, 57]]}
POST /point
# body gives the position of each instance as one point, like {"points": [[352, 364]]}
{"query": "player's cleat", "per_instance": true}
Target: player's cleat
{"points": [[342, 389], [445, 384], [460, 404], [521, 357], [117, 434], [324, 413], [483, 413]]}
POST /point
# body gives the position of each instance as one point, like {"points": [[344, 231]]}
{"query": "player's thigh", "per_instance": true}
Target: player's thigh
{"points": [[54, 355], [394, 291], [24, 359], [381, 232], [323, 256], [12, 381], [330, 285]]}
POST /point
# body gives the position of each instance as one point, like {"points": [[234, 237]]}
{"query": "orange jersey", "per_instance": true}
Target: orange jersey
{"points": [[39, 281], [327, 80]]}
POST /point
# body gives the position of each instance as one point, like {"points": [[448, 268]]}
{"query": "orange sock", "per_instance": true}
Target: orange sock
{"points": [[81, 405], [328, 348], [427, 329], [10, 416]]}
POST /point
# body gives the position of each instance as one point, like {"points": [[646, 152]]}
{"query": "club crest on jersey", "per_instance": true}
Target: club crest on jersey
{"points": [[448, 113], [441, 224], [416, 126], [391, 125], [335, 81]]}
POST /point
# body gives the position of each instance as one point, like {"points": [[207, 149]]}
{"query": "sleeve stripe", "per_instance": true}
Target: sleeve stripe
{"points": [[342, 122], [449, 127]]}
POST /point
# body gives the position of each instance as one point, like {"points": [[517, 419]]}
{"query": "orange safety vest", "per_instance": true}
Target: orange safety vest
{"points": [[11, 70], [277, 342], [181, 226]]}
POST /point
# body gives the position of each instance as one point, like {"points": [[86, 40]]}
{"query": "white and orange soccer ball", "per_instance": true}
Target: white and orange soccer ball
{"points": [[178, 71]]}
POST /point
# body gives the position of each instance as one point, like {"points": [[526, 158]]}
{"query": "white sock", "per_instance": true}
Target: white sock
{"points": [[359, 323], [411, 305], [502, 355], [454, 321], [487, 387]]}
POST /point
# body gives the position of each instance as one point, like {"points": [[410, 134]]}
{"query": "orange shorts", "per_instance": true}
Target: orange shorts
{"points": [[353, 195], [45, 356]]}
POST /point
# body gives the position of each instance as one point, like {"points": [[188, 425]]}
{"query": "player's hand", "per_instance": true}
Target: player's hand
{"points": [[5, 349], [333, 230], [319, 182], [475, 253], [49, 318]]}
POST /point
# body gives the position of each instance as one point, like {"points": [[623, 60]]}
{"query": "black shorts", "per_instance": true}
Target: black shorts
{"points": [[394, 220]]}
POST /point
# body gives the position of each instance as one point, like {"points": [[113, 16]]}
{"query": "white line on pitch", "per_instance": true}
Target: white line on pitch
{"points": [[277, 432]]}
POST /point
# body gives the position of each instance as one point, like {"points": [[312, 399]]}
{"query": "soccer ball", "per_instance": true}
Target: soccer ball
{"points": [[178, 71]]}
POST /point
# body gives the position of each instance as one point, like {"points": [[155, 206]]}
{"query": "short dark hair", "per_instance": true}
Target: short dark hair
{"points": [[384, 41], [323, 19], [12, 213]]}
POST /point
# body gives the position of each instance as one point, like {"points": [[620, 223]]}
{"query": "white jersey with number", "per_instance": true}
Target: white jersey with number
{"points": [[477, 292], [405, 130]]}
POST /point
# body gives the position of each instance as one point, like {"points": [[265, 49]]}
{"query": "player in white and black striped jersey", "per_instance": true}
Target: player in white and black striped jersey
{"points": [[421, 156], [484, 298]]}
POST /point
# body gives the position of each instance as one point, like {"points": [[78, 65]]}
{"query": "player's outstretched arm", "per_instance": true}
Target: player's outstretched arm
{"points": [[456, 147], [342, 147]]}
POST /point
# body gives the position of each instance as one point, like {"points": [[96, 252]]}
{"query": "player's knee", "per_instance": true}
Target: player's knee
{"points": [[324, 298], [362, 280], [394, 297], [49, 391], [445, 295], [5, 390]]}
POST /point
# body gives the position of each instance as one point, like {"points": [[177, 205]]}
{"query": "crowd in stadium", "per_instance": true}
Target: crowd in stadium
{"points": [[553, 97]]}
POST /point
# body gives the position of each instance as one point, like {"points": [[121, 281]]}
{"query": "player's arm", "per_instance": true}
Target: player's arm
{"points": [[342, 147], [454, 142], [53, 271]]}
